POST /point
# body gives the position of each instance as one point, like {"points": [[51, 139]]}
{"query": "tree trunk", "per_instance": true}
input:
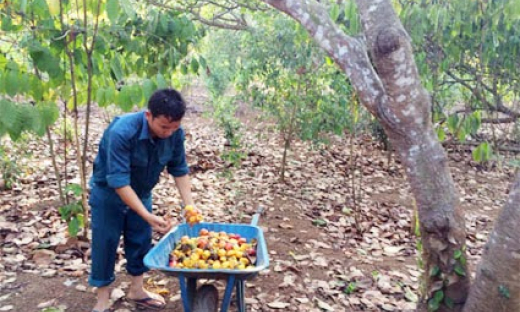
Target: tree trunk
{"points": [[497, 283], [55, 166], [388, 84]]}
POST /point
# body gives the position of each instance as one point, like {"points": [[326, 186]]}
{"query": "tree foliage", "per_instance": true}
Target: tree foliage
{"points": [[467, 54], [134, 49], [77, 53], [277, 67]]}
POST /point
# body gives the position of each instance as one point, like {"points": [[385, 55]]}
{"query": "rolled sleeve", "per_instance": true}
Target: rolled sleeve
{"points": [[118, 180], [178, 166], [118, 160]]}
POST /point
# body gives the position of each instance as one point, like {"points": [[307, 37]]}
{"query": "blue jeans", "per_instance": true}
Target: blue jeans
{"points": [[111, 218]]}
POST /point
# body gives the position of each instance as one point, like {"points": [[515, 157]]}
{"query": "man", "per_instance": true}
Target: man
{"points": [[133, 152]]}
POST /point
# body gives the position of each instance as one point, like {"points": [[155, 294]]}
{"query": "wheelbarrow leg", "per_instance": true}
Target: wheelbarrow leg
{"points": [[240, 294], [227, 294], [187, 291]]}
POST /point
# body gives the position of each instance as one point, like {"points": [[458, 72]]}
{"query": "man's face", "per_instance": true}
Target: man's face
{"points": [[161, 127]]}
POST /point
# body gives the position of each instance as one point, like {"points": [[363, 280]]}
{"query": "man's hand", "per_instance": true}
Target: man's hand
{"points": [[159, 224]]}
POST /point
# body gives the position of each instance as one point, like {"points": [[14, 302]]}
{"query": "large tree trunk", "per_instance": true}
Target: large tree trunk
{"points": [[497, 284], [389, 86]]}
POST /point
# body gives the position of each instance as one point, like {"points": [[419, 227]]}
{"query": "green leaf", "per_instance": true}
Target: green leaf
{"points": [[54, 6], [319, 222], [148, 88], [45, 61], [7, 23], [74, 227], [113, 9], [76, 208], [504, 291], [124, 100], [115, 66], [52, 309], [161, 82], [449, 302], [40, 8], [334, 12], [462, 260], [44, 246], [81, 218], [128, 9], [135, 94], [12, 65], [49, 113], [74, 188], [32, 120], [100, 97], [483, 152], [23, 6], [64, 212], [36, 88], [110, 95], [461, 135], [350, 288], [433, 305], [9, 113], [435, 271], [12, 83], [474, 121], [184, 69], [459, 270], [194, 66], [453, 123], [441, 135], [438, 296], [457, 254], [329, 61], [202, 62]]}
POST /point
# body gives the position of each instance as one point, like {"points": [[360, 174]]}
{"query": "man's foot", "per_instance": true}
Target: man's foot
{"points": [[103, 300], [102, 307], [146, 299]]}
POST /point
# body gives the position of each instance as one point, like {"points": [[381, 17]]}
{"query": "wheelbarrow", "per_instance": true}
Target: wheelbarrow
{"points": [[205, 298]]}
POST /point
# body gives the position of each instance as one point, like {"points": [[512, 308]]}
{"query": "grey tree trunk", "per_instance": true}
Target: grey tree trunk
{"points": [[497, 283], [382, 69]]}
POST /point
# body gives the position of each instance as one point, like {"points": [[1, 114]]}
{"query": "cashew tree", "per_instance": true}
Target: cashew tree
{"points": [[380, 65]]}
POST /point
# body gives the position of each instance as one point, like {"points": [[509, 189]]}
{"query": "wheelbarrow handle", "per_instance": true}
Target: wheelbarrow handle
{"points": [[256, 216]]}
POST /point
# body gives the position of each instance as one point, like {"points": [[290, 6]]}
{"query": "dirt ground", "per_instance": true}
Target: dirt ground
{"points": [[311, 266]]}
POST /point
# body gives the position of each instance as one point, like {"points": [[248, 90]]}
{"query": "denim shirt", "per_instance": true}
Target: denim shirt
{"points": [[128, 155]]}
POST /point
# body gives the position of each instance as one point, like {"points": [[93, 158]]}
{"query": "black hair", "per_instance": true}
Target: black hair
{"points": [[167, 102]]}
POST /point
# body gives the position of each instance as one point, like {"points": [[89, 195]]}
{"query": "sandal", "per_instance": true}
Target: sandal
{"points": [[148, 303]]}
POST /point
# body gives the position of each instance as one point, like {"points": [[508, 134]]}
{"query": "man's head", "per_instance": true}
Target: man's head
{"points": [[166, 107]]}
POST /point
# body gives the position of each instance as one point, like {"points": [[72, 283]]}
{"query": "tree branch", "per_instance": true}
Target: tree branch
{"points": [[218, 20], [498, 108], [470, 145], [232, 24], [348, 52]]}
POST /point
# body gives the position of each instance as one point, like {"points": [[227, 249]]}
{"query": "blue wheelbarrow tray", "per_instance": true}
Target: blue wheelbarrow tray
{"points": [[158, 259]]}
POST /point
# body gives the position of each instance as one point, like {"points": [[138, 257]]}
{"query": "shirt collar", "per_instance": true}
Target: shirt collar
{"points": [[145, 131]]}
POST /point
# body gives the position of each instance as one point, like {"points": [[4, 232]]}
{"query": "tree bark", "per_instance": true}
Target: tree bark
{"points": [[497, 283]]}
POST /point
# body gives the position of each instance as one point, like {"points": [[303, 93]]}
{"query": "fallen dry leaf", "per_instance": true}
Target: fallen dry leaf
{"points": [[278, 305]]}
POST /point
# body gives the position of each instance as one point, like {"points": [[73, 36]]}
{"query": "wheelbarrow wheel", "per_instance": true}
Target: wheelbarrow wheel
{"points": [[206, 299]]}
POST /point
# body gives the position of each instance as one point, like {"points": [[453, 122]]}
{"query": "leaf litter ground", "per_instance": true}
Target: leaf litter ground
{"points": [[328, 251]]}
